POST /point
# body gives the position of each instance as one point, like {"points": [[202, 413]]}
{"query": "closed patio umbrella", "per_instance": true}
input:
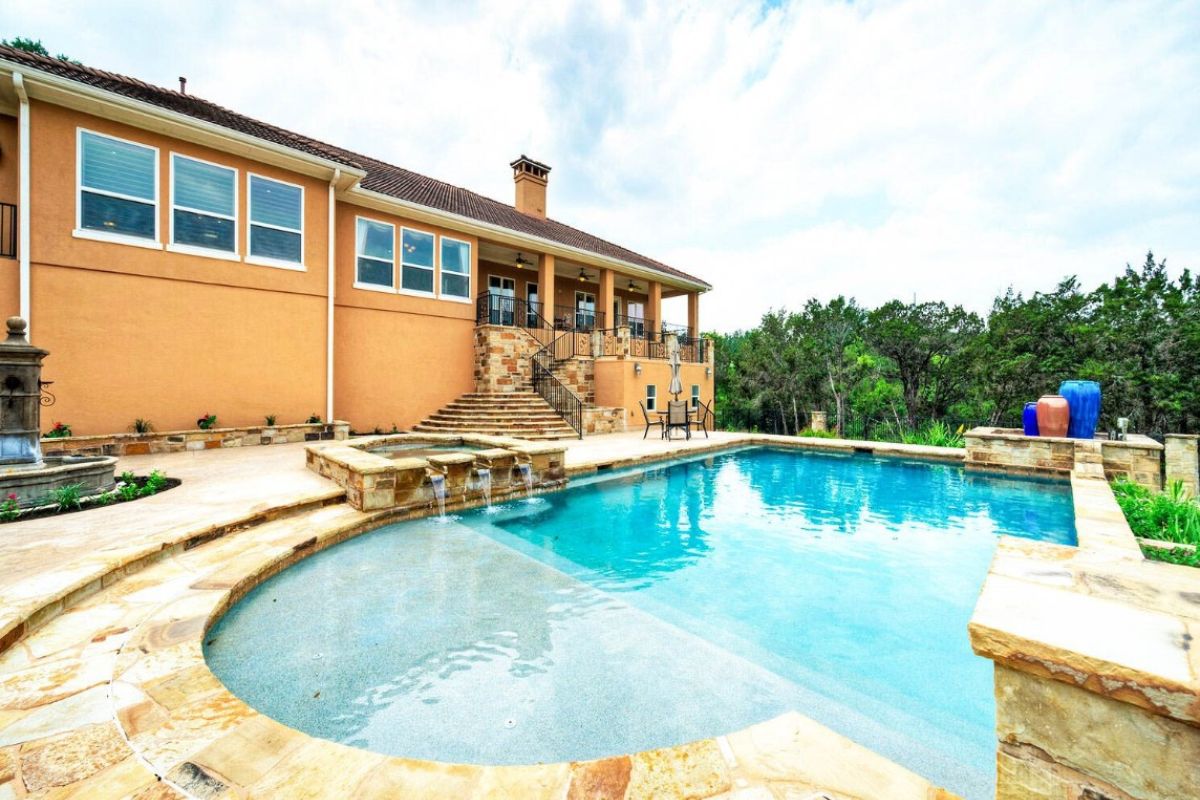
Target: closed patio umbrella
{"points": [[676, 387]]}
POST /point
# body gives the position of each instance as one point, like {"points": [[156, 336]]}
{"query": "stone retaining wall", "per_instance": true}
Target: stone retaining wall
{"points": [[133, 444], [1138, 457]]}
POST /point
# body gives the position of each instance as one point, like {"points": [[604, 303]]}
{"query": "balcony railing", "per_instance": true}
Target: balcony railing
{"points": [[573, 318], [646, 339], [8, 230]]}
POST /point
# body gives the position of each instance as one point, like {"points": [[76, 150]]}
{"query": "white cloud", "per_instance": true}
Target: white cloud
{"points": [[882, 150]]}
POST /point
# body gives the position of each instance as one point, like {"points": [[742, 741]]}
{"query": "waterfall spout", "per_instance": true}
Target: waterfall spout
{"points": [[526, 470], [484, 476], [438, 481]]}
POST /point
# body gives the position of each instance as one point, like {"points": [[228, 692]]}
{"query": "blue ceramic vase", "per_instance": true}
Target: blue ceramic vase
{"points": [[1029, 419], [1083, 397]]}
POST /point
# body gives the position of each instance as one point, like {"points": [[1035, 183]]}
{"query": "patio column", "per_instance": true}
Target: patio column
{"points": [[693, 314], [604, 299], [546, 287], [654, 305]]}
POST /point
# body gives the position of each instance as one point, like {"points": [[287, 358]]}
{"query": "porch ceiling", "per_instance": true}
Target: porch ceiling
{"points": [[502, 254]]}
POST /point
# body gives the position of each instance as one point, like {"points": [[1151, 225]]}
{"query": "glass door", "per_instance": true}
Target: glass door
{"points": [[503, 293], [532, 308], [585, 311]]}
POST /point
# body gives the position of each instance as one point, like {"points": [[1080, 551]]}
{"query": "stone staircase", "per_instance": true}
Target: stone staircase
{"points": [[522, 414]]}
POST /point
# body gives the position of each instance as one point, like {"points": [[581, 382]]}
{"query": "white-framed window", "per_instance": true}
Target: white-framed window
{"points": [[456, 269], [203, 205], [375, 254], [276, 223], [416, 262], [651, 397], [695, 396], [117, 183]]}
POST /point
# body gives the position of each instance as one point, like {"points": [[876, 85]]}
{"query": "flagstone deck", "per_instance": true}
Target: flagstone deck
{"points": [[104, 691]]}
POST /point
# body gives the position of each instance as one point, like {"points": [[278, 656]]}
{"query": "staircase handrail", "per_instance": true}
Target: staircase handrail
{"points": [[565, 402]]}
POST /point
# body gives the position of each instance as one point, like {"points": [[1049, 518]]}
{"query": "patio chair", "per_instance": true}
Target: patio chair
{"points": [[651, 423], [677, 417], [701, 420]]}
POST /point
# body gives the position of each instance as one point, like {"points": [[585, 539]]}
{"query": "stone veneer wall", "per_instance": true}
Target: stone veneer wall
{"points": [[602, 419], [132, 444], [1138, 458], [578, 375], [502, 358], [1182, 461]]}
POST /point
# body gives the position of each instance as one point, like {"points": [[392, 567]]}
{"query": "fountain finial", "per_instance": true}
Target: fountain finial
{"points": [[16, 331]]}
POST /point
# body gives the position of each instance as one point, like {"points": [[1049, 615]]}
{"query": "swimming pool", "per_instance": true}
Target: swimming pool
{"points": [[651, 608]]}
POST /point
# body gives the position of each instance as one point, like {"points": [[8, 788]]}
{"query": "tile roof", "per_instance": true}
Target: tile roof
{"points": [[381, 177]]}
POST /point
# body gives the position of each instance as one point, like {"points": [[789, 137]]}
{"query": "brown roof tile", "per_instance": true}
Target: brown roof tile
{"points": [[381, 177]]}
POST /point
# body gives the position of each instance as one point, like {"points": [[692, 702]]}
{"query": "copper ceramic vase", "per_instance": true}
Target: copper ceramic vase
{"points": [[1053, 415]]}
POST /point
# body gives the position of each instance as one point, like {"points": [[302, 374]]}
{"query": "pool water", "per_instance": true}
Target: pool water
{"points": [[651, 608]]}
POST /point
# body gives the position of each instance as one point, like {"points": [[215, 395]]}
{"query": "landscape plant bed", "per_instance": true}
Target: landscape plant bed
{"points": [[1167, 522], [128, 489]]}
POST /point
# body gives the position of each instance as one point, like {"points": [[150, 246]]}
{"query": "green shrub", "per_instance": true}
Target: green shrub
{"points": [[68, 497], [105, 499], [934, 434], [270, 418], [313, 419], [154, 484], [809, 433], [127, 492], [1172, 516], [206, 422], [142, 426], [1175, 555]]}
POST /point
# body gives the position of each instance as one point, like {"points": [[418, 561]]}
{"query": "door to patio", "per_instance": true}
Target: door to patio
{"points": [[502, 309]]}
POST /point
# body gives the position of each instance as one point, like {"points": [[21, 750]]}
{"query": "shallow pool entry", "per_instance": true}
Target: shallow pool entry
{"points": [[652, 608]]}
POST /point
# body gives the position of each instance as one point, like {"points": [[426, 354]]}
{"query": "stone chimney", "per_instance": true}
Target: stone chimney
{"points": [[530, 178]]}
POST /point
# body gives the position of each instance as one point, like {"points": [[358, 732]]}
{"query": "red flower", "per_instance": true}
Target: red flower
{"points": [[12, 497]]}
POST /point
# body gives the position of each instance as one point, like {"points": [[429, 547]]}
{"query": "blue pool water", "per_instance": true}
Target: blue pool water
{"points": [[651, 608]]}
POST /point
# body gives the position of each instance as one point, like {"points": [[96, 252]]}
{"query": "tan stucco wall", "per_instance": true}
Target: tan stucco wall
{"points": [[127, 346], [618, 386], [9, 285]]}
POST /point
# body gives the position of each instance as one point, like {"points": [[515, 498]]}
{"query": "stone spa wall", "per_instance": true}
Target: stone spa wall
{"points": [[133, 444], [1138, 458]]}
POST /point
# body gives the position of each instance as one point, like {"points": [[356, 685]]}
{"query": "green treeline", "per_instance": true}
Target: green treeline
{"points": [[904, 364]]}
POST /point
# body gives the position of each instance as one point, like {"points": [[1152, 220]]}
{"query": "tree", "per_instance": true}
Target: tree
{"points": [[34, 46]]}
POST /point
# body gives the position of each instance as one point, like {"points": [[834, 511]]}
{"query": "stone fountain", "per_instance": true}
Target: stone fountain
{"points": [[23, 470]]}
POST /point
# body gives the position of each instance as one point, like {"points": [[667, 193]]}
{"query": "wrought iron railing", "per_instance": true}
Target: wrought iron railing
{"points": [[498, 309], [564, 402], [573, 318], [8, 230]]}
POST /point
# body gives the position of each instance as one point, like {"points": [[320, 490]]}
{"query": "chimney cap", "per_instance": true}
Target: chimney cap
{"points": [[527, 164]]}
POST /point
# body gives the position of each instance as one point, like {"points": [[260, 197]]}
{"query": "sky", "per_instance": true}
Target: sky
{"points": [[928, 150]]}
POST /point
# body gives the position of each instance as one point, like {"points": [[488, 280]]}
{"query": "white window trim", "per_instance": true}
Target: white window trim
{"points": [[203, 252], [454, 298], [265, 261], [115, 238], [695, 404], [651, 398], [433, 269], [81, 232], [198, 250], [374, 287]]}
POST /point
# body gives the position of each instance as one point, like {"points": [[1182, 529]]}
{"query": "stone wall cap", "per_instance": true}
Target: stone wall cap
{"points": [[449, 459], [1182, 436]]}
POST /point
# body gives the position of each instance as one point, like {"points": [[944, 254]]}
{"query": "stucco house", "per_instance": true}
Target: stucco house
{"points": [[179, 259]]}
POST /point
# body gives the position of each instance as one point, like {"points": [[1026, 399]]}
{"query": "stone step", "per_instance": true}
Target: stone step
{"points": [[517, 414], [503, 430], [565, 433]]}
